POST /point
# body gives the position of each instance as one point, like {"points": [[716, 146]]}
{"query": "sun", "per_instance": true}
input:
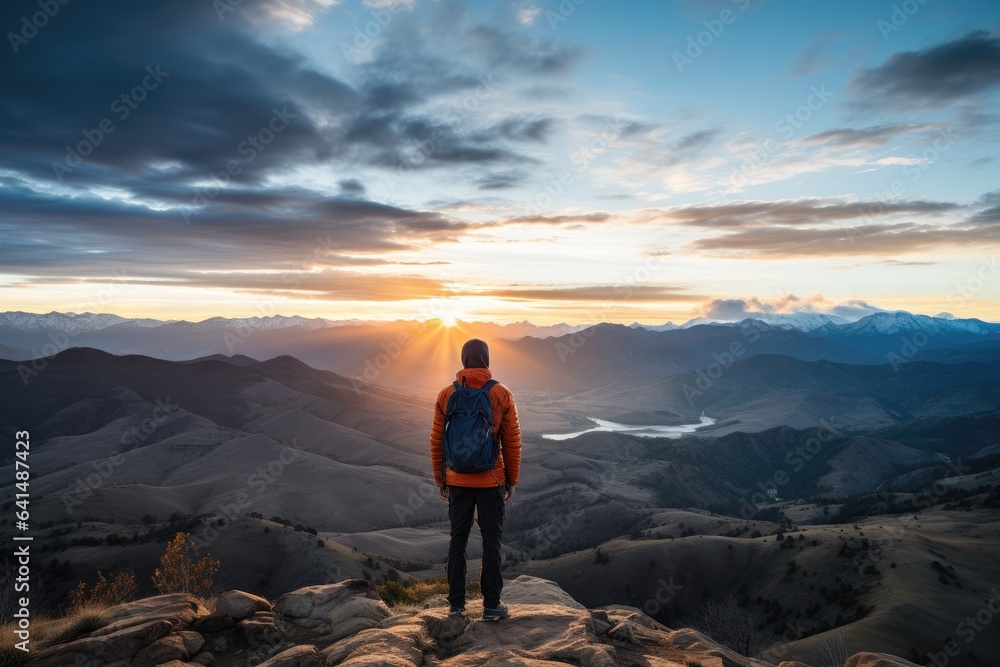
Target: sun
{"points": [[449, 319]]}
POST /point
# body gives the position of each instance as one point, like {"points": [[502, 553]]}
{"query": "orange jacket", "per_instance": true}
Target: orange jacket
{"points": [[505, 426]]}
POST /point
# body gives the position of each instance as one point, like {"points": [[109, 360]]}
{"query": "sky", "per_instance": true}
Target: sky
{"points": [[552, 161]]}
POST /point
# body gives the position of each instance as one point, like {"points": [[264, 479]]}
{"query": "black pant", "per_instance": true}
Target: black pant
{"points": [[488, 502]]}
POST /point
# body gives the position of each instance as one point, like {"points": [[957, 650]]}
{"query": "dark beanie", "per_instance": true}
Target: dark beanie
{"points": [[475, 354]]}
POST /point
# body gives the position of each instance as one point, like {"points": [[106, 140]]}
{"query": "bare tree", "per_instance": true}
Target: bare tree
{"points": [[732, 625], [834, 651]]}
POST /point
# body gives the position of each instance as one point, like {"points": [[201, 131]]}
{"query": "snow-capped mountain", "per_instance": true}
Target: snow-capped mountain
{"points": [[902, 322], [70, 322], [798, 321], [667, 326]]}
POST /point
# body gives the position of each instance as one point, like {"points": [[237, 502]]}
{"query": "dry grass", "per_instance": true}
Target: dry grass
{"points": [[48, 630], [402, 596]]}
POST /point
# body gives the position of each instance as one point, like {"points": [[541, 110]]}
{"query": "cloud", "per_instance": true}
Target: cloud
{"points": [[797, 212], [500, 180], [351, 186], [939, 76], [860, 240], [991, 213], [696, 140], [874, 136], [736, 309]]}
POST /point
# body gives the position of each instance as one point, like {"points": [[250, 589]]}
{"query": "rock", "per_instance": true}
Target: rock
{"points": [[792, 663], [240, 605], [328, 613], [297, 656], [214, 622], [376, 644], [866, 659], [694, 641], [163, 650], [532, 590], [317, 601], [437, 600], [203, 658], [193, 641], [217, 645], [119, 645], [261, 630], [178, 608]]}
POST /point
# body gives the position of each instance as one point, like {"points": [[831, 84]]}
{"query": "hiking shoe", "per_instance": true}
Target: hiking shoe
{"points": [[457, 610], [495, 614]]}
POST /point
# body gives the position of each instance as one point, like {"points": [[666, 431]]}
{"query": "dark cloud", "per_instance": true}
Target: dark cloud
{"points": [[797, 212], [351, 186], [500, 180], [990, 215], [696, 140], [877, 135], [935, 77], [861, 240]]}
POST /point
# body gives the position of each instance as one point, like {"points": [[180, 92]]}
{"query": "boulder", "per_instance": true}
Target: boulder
{"points": [[328, 613], [120, 645], [240, 605], [163, 650], [297, 656], [317, 601], [375, 644], [204, 658], [694, 641], [532, 590], [214, 622], [261, 630], [866, 659], [792, 663], [178, 608], [193, 641]]}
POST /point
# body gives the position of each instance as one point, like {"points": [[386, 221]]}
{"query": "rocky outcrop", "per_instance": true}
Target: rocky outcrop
{"points": [[239, 605], [347, 624]]}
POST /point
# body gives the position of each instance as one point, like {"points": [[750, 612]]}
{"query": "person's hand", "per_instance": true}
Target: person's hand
{"points": [[508, 492], [443, 491]]}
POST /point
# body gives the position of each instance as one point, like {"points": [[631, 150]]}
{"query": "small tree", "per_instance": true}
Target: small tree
{"points": [[180, 573], [732, 625], [121, 588]]}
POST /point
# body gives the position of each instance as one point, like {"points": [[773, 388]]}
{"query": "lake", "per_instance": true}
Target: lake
{"points": [[651, 431]]}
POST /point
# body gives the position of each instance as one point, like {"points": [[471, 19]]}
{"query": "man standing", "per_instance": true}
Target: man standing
{"points": [[485, 492]]}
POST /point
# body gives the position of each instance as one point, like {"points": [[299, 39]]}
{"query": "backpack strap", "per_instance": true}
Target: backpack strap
{"points": [[489, 384]]}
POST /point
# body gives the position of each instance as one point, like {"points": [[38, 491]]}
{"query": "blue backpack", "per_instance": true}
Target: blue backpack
{"points": [[469, 443]]}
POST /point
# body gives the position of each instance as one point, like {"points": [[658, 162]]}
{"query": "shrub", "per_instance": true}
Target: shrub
{"points": [[121, 588], [180, 573]]}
